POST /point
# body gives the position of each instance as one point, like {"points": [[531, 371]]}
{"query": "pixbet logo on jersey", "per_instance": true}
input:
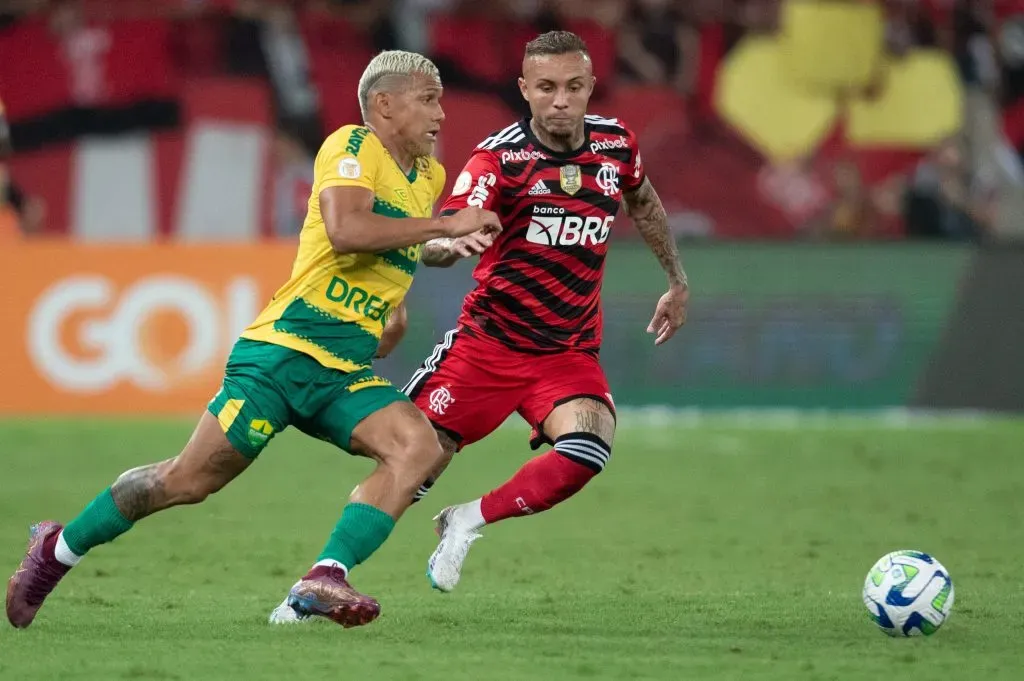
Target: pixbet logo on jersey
{"points": [[520, 156], [568, 230], [606, 145]]}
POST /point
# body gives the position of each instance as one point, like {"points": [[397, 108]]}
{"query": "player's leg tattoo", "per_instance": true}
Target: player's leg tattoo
{"points": [[206, 464], [449, 446], [590, 416], [582, 430], [140, 491], [185, 479]]}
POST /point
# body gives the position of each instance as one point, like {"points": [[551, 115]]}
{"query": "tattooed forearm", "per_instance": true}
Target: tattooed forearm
{"points": [[438, 253], [139, 492], [648, 213]]}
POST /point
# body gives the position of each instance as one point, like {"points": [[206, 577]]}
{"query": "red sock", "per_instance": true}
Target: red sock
{"points": [[542, 482]]}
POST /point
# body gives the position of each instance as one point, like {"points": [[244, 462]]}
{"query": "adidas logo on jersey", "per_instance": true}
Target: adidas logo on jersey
{"points": [[539, 189]]}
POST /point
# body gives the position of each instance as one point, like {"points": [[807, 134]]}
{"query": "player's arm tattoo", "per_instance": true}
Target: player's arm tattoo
{"points": [[140, 491], [645, 208], [439, 253]]}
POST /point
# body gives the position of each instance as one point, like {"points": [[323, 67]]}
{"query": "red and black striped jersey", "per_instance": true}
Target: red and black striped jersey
{"points": [[539, 285]]}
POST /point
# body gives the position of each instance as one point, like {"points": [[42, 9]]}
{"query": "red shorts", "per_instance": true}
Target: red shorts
{"points": [[470, 384]]}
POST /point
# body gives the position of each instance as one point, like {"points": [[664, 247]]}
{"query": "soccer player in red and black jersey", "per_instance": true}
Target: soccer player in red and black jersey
{"points": [[529, 334], [528, 338]]}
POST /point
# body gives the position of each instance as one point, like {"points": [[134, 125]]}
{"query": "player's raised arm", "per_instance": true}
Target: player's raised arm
{"points": [[445, 252], [476, 187], [353, 226], [645, 208]]}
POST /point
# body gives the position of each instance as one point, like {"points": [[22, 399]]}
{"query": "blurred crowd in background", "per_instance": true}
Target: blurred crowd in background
{"points": [[742, 141]]}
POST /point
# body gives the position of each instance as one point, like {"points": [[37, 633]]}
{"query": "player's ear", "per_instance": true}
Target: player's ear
{"points": [[383, 101], [522, 88]]}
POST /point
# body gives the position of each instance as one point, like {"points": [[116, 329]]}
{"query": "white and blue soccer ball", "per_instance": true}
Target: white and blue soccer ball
{"points": [[908, 593]]}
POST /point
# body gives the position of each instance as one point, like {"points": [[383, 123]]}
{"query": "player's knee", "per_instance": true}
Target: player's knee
{"points": [[183, 485], [591, 452], [422, 456], [416, 454], [448, 449], [181, 490]]}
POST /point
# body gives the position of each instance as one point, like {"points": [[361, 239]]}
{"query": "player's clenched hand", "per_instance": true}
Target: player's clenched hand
{"points": [[469, 220], [670, 313], [473, 244]]}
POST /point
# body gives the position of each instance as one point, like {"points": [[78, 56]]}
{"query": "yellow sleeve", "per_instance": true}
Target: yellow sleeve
{"points": [[439, 176], [351, 157]]}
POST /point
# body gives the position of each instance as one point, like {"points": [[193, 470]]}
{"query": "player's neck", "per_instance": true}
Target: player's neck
{"points": [[404, 159], [558, 143]]}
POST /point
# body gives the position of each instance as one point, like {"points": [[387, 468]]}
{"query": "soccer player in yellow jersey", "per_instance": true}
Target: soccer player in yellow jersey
{"points": [[305, 360]]}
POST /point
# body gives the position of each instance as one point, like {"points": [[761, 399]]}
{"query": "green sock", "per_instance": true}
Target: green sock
{"points": [[361, 531], [100, 522]]}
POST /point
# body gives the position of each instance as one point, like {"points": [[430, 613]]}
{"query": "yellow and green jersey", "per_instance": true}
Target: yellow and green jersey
{"points": [[334, 307]]}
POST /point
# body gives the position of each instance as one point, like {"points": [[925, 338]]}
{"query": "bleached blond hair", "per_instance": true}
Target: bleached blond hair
{"points": [[389, 72]]}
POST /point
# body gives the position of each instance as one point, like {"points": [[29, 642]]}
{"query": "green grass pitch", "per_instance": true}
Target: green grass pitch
{"points": [[715, 550]]}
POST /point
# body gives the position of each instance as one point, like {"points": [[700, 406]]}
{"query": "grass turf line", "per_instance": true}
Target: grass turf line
{"points": [[706, 552]]}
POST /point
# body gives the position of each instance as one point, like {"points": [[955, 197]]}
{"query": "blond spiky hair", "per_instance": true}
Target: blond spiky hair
{"points": [[383, 71]]}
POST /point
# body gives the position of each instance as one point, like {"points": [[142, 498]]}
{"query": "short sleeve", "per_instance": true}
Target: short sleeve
{"points": [[440, 176], [636, 176], [476, 185], [348, 158]]}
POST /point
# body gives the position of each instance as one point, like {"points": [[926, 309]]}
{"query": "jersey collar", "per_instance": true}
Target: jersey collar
{"points": [[524, 125], [411, 175]]}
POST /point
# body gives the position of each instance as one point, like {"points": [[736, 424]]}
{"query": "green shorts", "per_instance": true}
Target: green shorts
{"points": [[269, 387]]}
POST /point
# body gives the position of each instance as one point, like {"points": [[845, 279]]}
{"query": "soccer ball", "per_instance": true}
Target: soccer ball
{"points": [[908, 593]]}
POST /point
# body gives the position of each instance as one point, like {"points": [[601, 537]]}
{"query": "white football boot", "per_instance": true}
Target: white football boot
{"points": [[445, 565], [286, 614]]}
